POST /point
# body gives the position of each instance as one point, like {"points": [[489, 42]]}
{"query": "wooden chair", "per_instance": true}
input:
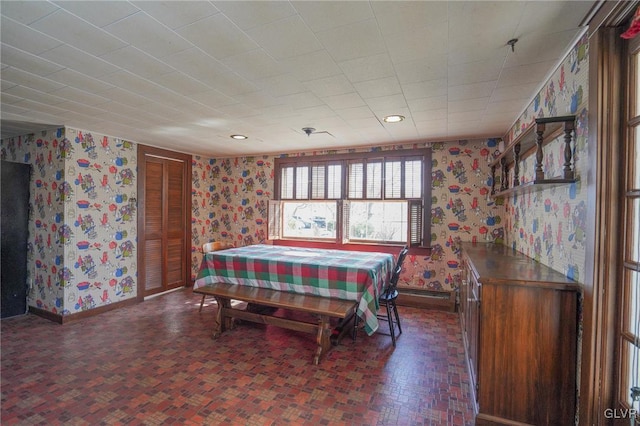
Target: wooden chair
{"points": [[209, 247], [388, 300]]}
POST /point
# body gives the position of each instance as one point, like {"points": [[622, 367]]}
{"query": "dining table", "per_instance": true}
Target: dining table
{"points": [[358, 276]]}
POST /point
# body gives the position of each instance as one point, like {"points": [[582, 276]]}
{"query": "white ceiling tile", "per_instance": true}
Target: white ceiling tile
{"points": [[285, 38], [281, 85], [474, 73], [311, 66], [426, 104], [356, 113], [99, 13], [32, 106], [79, 81], [385, 105], [80, 96], [148, 35], [196, 63], [509, 108], [425, 89], [327, 15], [471, 91], [180, 83], [422, 69], [80, 108], [213, 98], [25, 38], [78, 33], [124, 96], [218, 36], [349, 100], [395, 16], [301, 100], [551, 18], [131, 82], [533, 73], [27, 12], [70, 57], [420, 43], [368, 67], [231, 84], [176, 14], [317, 112], [353, 41], [137, 62], [376, 88], [10, 99], [435, 115], [254, 65], [520, 92], [32, 81], [477, 104], [26, 61], [330, 86], [258, 99], [250, 14]]}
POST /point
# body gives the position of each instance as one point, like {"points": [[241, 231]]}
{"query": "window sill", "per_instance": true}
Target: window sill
{"points": [[384, 248]]}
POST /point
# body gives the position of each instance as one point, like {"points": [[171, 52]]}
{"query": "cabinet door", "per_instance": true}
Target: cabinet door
{"points": [[473, 328]]}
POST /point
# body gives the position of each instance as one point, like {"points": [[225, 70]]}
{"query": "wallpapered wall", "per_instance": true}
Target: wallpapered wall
{"points": [[230, 199], [82, 248], [549, 225]]}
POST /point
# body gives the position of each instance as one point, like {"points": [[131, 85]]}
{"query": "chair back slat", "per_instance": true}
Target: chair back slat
{"points": [[395, 275]]}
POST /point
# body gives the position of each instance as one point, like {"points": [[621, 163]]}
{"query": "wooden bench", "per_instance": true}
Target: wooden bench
{"points": [[325, 308]]}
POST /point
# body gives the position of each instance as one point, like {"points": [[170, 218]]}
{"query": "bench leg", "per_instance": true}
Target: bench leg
{"points": [[222, 321], [323, 339]]}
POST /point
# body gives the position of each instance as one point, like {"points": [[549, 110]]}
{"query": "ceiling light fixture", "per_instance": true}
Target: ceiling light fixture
{"points": [[393, 118], [512, 43], [238, 137]]}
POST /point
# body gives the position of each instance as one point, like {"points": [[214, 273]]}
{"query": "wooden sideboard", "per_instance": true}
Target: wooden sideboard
{"points": [[520, 326]]}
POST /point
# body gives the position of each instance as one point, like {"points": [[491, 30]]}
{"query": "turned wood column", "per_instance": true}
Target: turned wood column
{"points": [[539, 155]]}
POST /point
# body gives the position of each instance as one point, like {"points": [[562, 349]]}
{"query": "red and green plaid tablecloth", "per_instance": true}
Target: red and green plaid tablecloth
{"points": [[348, 275]]}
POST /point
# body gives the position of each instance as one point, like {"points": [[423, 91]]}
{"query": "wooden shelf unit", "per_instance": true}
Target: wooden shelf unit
{"points": [[530, 142]]}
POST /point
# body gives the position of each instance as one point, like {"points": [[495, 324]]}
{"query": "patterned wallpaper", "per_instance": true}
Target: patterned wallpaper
{"points": [[82, 251], [82, 248], [230, 199], [549, 225]]}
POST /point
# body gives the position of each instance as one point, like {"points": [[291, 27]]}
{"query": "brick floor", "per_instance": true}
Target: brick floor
{"points": [[155, 363]]}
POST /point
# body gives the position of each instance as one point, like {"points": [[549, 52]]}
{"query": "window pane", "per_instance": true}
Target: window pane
{"points": [[393, 179], [286, 183], [637, 70], [334, 181], [632, 293], [356, 176], [374, 180], [634, 168], [318, 180], [378, 221], [302, 182], [633, 210], [413, 179], [314, 219], [631, 373]]}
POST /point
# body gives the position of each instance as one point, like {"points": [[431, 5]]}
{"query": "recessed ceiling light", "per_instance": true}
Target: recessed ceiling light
{"points": [[238, 137], [393, 118]]}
